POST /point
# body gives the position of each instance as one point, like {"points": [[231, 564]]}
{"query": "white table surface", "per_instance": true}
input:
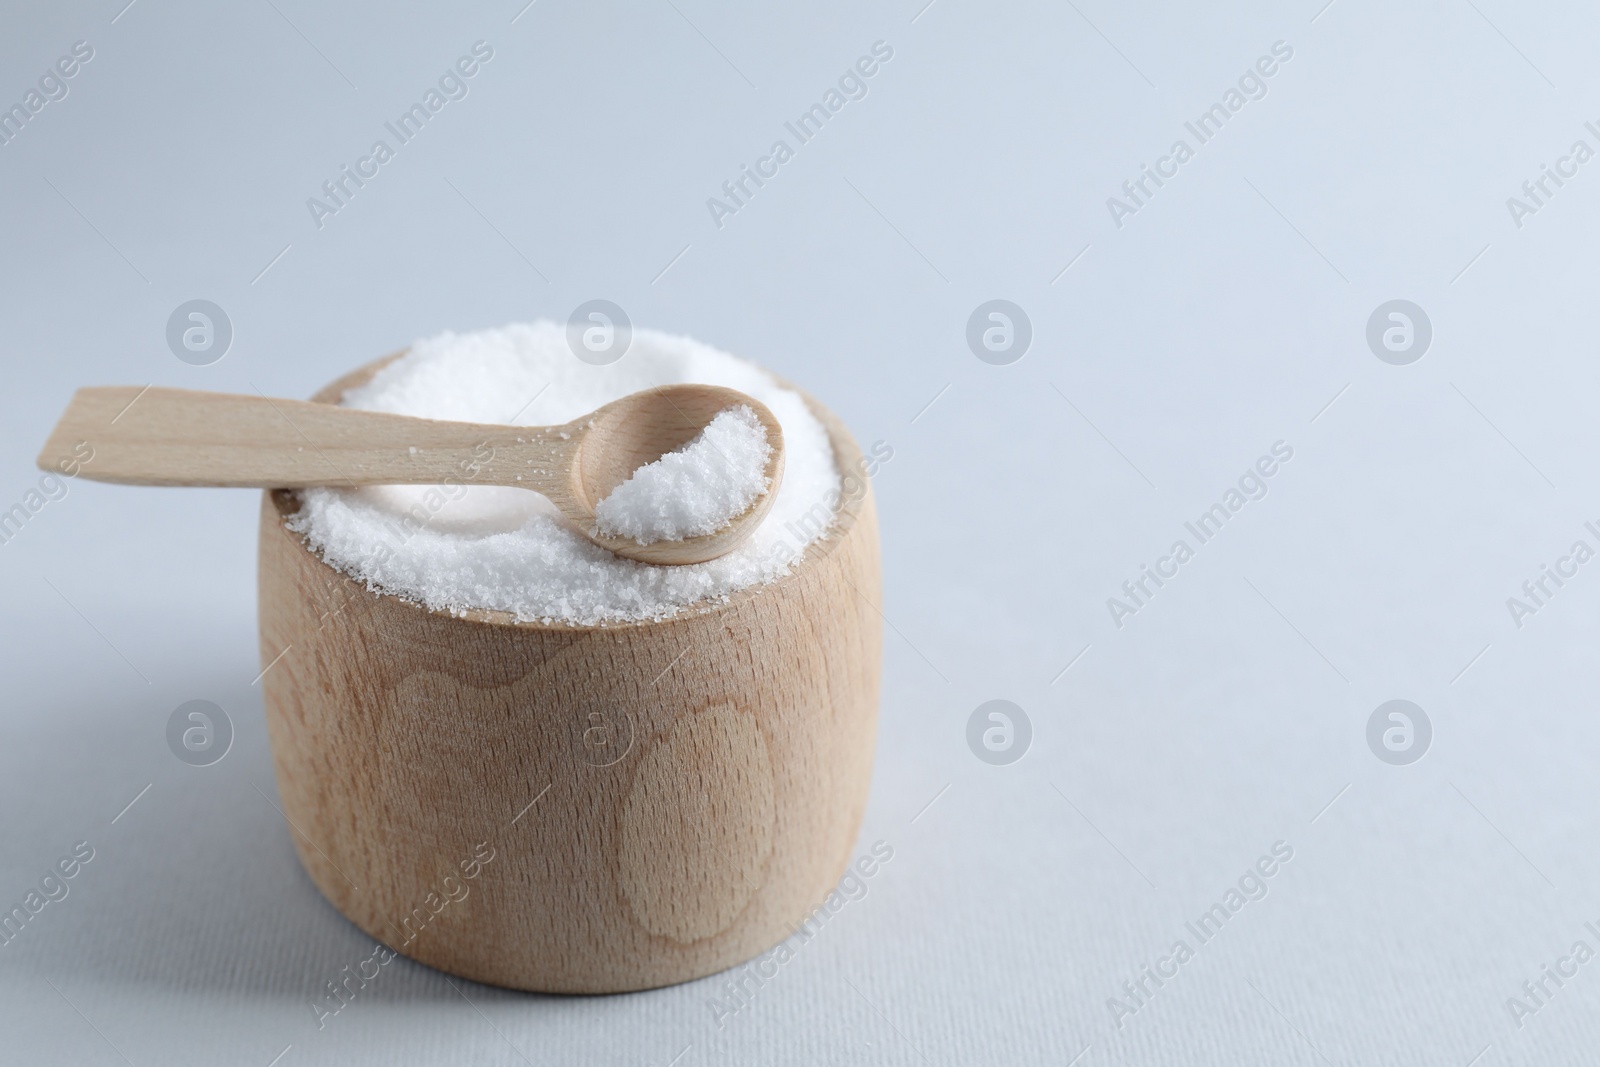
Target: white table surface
{"points": [[1228, 313]]}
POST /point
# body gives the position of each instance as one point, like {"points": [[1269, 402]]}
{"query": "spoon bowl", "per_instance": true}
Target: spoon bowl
{"points": [[160, 436], [639, 429]]}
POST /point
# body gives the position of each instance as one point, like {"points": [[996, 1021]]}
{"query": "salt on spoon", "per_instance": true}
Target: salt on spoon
{"points": [[696, 490], [160, 436]]}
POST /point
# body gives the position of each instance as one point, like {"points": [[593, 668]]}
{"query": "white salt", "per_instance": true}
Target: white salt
{"points": [[696, 490], [463, 546]]}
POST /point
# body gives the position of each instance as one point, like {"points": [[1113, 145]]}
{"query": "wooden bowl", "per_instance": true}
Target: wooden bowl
{"points": [[575, 809]]}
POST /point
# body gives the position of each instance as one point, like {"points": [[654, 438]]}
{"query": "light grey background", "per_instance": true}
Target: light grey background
{"points": [[1228, 314]]}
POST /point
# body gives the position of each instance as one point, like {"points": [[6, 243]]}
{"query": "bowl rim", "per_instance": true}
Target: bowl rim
{"points": [[847, 459]]}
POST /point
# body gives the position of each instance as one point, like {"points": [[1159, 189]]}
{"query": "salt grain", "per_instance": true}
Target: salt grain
{"points": [[696, 490], [461, 546]]}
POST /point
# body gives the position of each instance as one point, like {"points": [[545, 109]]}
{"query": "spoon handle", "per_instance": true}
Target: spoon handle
{"points": [[160, 436]]}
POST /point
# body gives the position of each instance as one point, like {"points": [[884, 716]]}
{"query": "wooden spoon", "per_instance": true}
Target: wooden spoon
{"points": [[158, 436]]}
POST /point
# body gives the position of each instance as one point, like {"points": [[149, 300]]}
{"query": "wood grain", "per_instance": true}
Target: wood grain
{"points": [[662, 800], [159, 436]]}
